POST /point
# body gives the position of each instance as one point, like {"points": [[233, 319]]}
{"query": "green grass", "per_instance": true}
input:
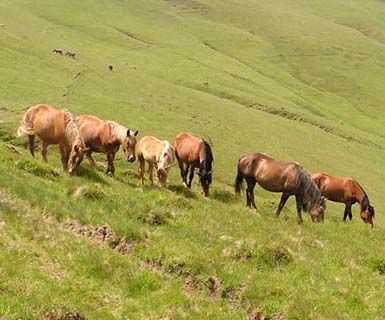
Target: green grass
{"points": [[296, 79]]}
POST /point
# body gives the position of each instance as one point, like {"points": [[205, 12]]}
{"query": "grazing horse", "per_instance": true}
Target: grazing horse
{"points": [[156, 153], [345, 190], [193, 152], [57, 51], [106, 137], [54, 126], [70, 54], [280, 176]]}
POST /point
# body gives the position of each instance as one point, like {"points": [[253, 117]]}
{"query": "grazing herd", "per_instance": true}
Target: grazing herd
{"points": [[81, 136]]}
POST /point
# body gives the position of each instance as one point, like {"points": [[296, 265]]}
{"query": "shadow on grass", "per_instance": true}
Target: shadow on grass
{"points": [[91, 174], [183, 191], [224, 196]]}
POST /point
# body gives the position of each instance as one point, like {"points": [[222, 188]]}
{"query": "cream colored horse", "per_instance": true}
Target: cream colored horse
{"points": [[156, 153], [54, 126]]}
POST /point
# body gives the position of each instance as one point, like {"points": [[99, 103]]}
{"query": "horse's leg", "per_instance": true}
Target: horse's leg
{"points": [[349, 208], [90, 159], [110, 160], [184, 176], [298, 200], [181, 168], [191, 176], [141, 169], [282, 203], [150, 172], [64, 152], [31, 140], [250, 191], [44, 147]]}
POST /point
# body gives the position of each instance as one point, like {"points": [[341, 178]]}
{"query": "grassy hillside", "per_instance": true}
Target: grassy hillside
{"points": [[301, 81]]}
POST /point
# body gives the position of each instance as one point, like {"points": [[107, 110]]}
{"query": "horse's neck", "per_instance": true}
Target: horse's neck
{"points": [[361, 196], [72, 132], [119, 131]]}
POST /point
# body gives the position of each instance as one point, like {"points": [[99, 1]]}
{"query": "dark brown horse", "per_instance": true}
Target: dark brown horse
{"points": [[106, 137], [345, 190], [54, 126], [193, 152], [280, 176]]}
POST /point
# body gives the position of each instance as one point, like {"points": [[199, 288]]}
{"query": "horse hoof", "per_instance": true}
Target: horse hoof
{"points": [[185, 185]]}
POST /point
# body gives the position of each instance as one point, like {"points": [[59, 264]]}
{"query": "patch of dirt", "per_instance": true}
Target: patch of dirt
{"points": [[63, 315], [100, 235], [260, 315]]}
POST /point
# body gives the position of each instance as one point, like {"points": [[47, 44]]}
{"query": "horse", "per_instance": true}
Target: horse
{"points": [[156, 153], [57, 51], [193, 152], [280, 176], [70, 54], [54, 126], [347, 191], [106, 137]]}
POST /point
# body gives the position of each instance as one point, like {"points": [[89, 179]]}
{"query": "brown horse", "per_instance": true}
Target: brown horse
{"points": [[106, 137], [57, 51], [54, 126], [156, 153], [345, 190], [193, 152], [279, 176]]}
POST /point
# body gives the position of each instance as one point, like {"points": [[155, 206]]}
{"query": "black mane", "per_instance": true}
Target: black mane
{"points": [[206, 163]]}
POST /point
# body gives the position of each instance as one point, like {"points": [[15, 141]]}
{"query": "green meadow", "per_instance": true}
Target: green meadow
{"points": [[299, 80]]}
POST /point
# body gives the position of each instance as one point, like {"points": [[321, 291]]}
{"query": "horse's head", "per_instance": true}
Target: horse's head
{"points": [[367, 215], [76, 157], [317, 212], [162, 175], [129, 144], [205, 178]]}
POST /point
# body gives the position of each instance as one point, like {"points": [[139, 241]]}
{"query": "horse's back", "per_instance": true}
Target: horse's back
{"points": [[48, 123], [149, 147], [187, 146]]}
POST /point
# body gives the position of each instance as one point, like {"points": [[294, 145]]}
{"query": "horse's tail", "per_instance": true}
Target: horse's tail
{"points": [[26, 126], [238, 181]]}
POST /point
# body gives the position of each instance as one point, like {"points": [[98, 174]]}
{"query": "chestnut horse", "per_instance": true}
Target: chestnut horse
{"points": [[156, 153], [54, 126], [193, 152], [345, 190], [106, 137], [280, 176]]}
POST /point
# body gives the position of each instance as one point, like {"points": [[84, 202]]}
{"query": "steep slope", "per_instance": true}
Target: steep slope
{"points": [[301, 81]]}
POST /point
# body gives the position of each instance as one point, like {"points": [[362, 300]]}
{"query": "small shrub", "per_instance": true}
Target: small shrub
{"points": [[274, 256], [378, 265], [92, 191]]}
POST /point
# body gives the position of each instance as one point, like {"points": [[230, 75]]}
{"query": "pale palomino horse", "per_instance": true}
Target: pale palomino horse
{"points": [[156, 153], [54, 126]]}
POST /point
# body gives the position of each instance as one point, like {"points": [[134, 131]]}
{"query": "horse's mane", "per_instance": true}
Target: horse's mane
{"points": [[118, 130], [167, 148], [207, 152], [72, 129], [365, 202], [311, 194]]}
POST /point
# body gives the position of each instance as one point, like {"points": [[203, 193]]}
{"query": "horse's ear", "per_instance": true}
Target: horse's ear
{"points": [[136, 133], [128, 132]]}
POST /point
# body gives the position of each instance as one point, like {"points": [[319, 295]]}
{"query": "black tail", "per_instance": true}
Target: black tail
{"points": [[238, 182]]}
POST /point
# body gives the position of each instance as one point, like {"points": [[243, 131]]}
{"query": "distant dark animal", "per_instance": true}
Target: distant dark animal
{"points": [[280, 176], [110, 67], [71, 54], [193, 152], [106, 137], [156, 153], [54, 126], [347, 191], [58, 51]]}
